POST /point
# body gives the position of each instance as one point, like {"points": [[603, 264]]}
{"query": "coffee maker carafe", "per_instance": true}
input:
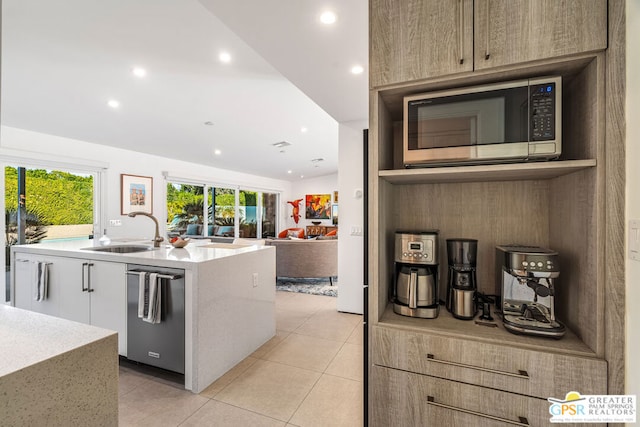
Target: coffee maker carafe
{"points": [[415, 288], [461, 286], [525, 286]]}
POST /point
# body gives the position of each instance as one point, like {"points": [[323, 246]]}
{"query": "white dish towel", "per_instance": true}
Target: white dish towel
{"points": [[40, 272], [150, 297], [154, 314]]}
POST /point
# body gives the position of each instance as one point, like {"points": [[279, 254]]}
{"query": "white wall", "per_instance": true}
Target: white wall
{"points": [[118, 161], [326, 184], [632, 380], [351, 245]]}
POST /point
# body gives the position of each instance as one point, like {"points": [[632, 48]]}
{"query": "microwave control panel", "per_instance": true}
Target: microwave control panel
{"points": [[543, 112]]}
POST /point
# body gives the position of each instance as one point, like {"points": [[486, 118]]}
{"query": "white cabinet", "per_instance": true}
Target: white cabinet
{"points": [[86, 291]]}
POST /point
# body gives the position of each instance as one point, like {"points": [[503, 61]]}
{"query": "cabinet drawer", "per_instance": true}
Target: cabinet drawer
{"points": [[404, 399], [529, 372]]}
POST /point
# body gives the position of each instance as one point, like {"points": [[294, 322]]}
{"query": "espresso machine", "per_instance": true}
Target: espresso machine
{"points": [[462, 285], [525, 286], [415, 288]]}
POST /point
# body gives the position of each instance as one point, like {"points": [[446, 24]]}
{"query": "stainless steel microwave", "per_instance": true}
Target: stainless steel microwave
{"points": [[503, 122]]}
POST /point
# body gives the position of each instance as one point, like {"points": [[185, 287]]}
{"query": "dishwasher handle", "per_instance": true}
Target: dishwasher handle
{"points": [[160, 275]]}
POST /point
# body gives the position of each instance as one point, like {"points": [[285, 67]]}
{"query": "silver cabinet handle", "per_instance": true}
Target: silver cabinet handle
{"points": [[22, 260], [89, 288], [522, 421], [487, 55], [85, 274], [461, 34], [520, 374]]}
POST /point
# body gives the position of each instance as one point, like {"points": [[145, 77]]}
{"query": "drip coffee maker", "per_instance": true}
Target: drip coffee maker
{"points": [[462, 286], [525, 283], [415, 290]]}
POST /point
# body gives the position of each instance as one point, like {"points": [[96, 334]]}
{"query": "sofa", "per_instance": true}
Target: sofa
{"points": [[306, 257]]}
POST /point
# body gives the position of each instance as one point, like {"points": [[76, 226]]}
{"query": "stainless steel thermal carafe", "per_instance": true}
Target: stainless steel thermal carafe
{"points": [[416, 286]]}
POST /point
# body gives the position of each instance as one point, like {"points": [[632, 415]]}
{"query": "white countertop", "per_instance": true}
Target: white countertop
{"points": [[197, 251], [27, 338]]}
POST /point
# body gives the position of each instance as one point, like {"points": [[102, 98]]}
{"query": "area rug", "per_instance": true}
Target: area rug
{"points": [[313, 286]]}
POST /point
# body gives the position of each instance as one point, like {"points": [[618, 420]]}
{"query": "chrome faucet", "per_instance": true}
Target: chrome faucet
{"points": [[157, 239]]}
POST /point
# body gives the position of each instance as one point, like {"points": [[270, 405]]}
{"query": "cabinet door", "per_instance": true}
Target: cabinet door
{"points": [[417, 39], [25, 284], [22, 278], [515, 31], [107, 282], [70, 276]]}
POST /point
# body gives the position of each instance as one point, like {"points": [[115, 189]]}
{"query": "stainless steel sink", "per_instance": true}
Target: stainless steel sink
{"points": [[120, 249]]}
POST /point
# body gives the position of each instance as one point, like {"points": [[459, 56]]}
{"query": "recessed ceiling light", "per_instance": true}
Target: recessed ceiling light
{"points": [[303, 129], [289, 171], [328, 17], [301, 176], [113, 103], [357, 69], [224, 57], [139, 72], [217, 152]]}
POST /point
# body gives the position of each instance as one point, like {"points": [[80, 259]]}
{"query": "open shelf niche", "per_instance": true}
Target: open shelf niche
{"points": [[556, 204]]}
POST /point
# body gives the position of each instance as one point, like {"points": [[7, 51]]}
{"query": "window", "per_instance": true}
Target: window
{"points": [[220, 211], [223, 206], [185, 209]]}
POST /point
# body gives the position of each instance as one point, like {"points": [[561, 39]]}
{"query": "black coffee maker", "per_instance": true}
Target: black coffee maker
{"points": [[462, 286]]}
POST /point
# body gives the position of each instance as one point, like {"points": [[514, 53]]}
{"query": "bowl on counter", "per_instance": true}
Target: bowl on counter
{"points": [[179, 242]]}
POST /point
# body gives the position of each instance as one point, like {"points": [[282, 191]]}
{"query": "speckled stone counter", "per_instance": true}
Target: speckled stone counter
{"points": [[56, 372]]}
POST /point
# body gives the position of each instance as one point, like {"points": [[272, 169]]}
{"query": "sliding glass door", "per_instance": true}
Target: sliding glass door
{"points": [[46, 205]]}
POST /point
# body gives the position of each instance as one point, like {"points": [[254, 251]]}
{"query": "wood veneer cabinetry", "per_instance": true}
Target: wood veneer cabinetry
{"points": [[561, 204], [418, 39]]}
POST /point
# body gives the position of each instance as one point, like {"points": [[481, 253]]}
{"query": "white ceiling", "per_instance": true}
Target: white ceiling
{"points": [[62, 60]]}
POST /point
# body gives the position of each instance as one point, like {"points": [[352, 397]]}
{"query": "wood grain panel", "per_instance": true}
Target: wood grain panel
{"points": [[518, 31], [582, 126], [615, 199], [573, 233], [401, 399], [501, 172], [416, 39], [533, 373], [494, 213]]}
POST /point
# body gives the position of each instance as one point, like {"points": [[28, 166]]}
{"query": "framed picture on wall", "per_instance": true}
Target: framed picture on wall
{"points": [[334, 214], [136, 194], [318, 206]]}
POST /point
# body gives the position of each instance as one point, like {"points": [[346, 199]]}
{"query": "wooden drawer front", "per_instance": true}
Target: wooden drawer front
{"points": [[401, 398], [528, 372]]}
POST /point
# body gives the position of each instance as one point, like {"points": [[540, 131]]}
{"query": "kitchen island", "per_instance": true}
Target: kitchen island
{"points": [[56, 372], [229, 294]]}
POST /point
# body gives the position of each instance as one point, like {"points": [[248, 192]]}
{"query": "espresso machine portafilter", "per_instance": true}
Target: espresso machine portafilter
{"points": [[462, 286]]}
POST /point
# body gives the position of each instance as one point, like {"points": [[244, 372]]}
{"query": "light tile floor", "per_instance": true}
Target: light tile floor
{"points": [[309, 374]]}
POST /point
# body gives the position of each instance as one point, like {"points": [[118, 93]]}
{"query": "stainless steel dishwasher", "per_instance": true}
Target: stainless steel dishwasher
{"points": [[157, 344]]}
